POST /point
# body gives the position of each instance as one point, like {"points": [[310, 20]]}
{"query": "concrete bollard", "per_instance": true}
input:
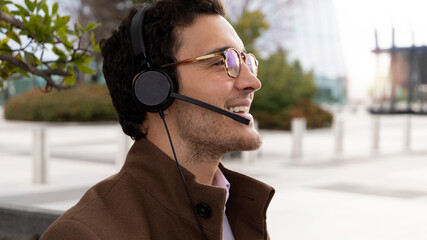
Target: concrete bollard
{"points": [[338, 134], [407, 132], [246, 156], [40, 156], [375, 133], [250, 156], [298, 127]]}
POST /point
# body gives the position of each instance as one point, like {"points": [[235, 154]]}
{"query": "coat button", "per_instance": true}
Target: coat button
{"points": [[203, 210]]}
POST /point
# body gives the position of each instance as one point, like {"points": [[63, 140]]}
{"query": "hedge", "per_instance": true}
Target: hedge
{"points": [[315, 116], [92, 102], [83, 103]]}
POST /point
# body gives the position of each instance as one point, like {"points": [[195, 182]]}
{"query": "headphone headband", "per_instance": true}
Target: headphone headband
{"points": [[151, 87], [137, 33]]}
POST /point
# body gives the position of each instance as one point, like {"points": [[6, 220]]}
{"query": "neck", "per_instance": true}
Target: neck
{"points": [[190, 156], [204, 172]]}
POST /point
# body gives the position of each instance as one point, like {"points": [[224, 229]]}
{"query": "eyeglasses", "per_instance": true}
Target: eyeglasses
{"points": [[232, 60]]}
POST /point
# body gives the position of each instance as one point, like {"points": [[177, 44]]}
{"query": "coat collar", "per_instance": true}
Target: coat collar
{"points": [[247, 205], [158, 175]]}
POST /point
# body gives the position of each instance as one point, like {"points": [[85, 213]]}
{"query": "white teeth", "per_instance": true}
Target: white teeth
{"points": [[239, 109]]}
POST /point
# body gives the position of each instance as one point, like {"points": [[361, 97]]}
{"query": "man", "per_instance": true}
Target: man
{"points": [[193, 43]]}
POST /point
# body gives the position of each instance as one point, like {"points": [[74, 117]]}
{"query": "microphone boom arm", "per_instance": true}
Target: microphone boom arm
{"points": [[211, 107]]}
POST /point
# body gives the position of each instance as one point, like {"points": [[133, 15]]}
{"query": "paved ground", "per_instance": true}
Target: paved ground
{"points": [[356, 194]]}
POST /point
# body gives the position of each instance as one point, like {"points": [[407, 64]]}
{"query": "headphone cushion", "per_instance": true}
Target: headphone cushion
{"points": [[152, 88]]}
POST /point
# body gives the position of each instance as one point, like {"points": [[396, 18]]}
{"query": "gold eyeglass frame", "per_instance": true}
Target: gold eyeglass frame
{"points": [[242, 59]]}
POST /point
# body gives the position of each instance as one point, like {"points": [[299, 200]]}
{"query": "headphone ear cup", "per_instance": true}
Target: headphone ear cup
{"points": [[152, 88]]}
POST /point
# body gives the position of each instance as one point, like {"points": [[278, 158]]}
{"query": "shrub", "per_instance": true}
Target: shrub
{"points": [[315, 116], [84, 103]]}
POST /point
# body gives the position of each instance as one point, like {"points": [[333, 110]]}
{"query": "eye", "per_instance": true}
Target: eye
{"points": [[219, 63]]}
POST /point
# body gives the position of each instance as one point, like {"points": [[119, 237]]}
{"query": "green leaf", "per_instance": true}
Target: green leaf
{"points": [[85, 69], [12, 35], [39, 5], [23, 72], [68, 45], [57, 65], [19, 56], [92, 39], [54, 8], [4, 9], [61, 22], [58, 52], [4, 41], [70, 80], [30, 58], [45, 10], [21, 11], [91, 26], [76, 29], [30, 5], [87, 59], [3, 2], [81, 58], [34, 21], [47, 20], [4, 48]]}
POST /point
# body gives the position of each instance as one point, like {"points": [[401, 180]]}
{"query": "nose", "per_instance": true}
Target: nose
{"points": [[246, 81]]}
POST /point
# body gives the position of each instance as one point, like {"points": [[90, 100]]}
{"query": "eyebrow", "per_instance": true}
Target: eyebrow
{"points": [[220, 49]]}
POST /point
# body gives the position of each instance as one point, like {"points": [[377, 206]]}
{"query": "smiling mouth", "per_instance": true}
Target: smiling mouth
{"points": [[238, 109]]}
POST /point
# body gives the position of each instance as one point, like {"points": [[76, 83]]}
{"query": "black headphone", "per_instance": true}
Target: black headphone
{"points": [[152, 87]]}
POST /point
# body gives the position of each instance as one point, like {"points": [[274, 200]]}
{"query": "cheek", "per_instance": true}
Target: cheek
{"points": [[203, 83], [189, 80], [220, 90], [211, 87]]}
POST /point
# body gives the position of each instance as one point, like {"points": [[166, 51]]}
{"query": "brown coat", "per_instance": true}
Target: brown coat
{"points": [[146, 200]]}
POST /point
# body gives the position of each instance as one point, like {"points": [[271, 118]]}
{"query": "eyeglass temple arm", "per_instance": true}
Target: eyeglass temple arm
{"points": [[191, 60]]}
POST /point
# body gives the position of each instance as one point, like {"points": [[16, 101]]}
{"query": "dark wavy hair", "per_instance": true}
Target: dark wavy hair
{"points": [[161, 35]]}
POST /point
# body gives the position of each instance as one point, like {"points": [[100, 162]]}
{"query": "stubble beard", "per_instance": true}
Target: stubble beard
{"points": [[208, 136]]}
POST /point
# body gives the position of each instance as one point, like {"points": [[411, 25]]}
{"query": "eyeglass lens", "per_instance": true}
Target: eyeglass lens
{"points": [[233, 63], [252, 64]]}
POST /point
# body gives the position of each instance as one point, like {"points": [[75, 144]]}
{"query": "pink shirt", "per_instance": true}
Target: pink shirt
{"points": [[219, 180]]}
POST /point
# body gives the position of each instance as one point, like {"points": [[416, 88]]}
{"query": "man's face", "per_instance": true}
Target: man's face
{"points": [[208, 81]]}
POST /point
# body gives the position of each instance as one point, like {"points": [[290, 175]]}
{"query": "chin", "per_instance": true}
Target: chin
{"points": [[248, 142]]}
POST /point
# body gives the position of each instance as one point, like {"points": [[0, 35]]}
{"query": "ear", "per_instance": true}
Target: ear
{"points": [[145, 126]]}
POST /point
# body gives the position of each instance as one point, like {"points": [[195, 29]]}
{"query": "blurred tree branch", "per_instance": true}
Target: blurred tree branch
{"points": [[90, 11], [9, 19], [28, 32]]}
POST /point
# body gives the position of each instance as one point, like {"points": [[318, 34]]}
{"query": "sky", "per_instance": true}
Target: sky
{"points": [[357, 21]]}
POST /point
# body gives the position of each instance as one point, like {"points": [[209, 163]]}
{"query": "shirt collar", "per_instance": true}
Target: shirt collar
{"points": [[219, 180]]}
